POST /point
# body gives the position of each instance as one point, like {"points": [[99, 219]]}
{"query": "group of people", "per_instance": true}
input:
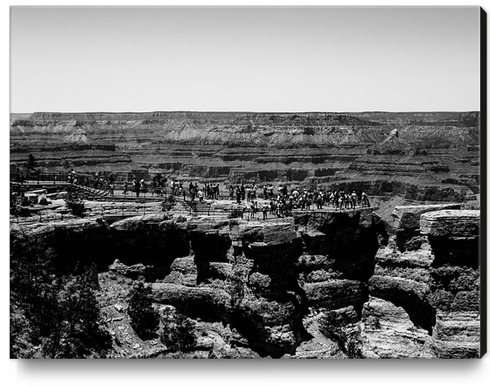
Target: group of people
{"points": [[72, 177], [105, 183], [208, 191], [282, 202], [137, 185], [242, 192], [301, 198], [279, 201], [98, 182]]}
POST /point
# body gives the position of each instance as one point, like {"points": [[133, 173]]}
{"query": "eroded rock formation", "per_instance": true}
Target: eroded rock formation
{"points": [[283, 285], [407, 224], [437, 284]]}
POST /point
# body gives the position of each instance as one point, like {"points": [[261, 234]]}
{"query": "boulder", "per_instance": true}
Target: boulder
{"points": [[408, 217], [451, 223], [183, 271], [406, 221], [453, 236]]}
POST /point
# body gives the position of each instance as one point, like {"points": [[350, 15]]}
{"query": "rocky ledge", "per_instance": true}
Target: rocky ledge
{"points": [[406, 221]]}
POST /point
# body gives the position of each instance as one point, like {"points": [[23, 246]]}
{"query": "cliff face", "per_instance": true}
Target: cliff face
{"points": [[435, 281], [325, 285], [241, 273], [440, 150]]}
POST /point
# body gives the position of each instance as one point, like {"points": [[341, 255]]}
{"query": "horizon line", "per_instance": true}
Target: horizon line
{"points": [[244, 111]]}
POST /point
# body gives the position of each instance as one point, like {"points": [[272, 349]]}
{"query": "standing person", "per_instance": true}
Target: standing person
{"points": [[319, 201], [142, 185], [242, 192], [265, 209], [272, 206], [353, 199], [230, 192], [253, 207], [217, 191], [137, 187], [238, 195], [125, 191], [365, 199]]}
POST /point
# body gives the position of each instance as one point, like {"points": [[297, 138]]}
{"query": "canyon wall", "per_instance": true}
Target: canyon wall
{"points": [[286, 284], [401, 151]]}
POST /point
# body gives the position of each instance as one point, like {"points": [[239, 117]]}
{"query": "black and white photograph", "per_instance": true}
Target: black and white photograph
{"points": [[231, 182]]}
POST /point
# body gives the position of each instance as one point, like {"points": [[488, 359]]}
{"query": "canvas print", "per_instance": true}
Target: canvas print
{"points": [[246, 183]]}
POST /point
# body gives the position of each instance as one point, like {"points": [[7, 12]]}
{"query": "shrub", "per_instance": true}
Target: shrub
{"points": [[53, 316], [177, 332], [20, 334], [354, 347], [18, 210], [75, 203], [144, 319], [77, 332]]}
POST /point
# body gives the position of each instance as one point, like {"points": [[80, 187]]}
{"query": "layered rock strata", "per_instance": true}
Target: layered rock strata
{"points": [[455, 280], [433, 156], [332, 278], [436, 284], [406, 221], [242, 273]]}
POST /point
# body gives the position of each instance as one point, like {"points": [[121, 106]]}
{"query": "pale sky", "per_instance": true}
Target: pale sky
{"points": [[244, 59]]}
